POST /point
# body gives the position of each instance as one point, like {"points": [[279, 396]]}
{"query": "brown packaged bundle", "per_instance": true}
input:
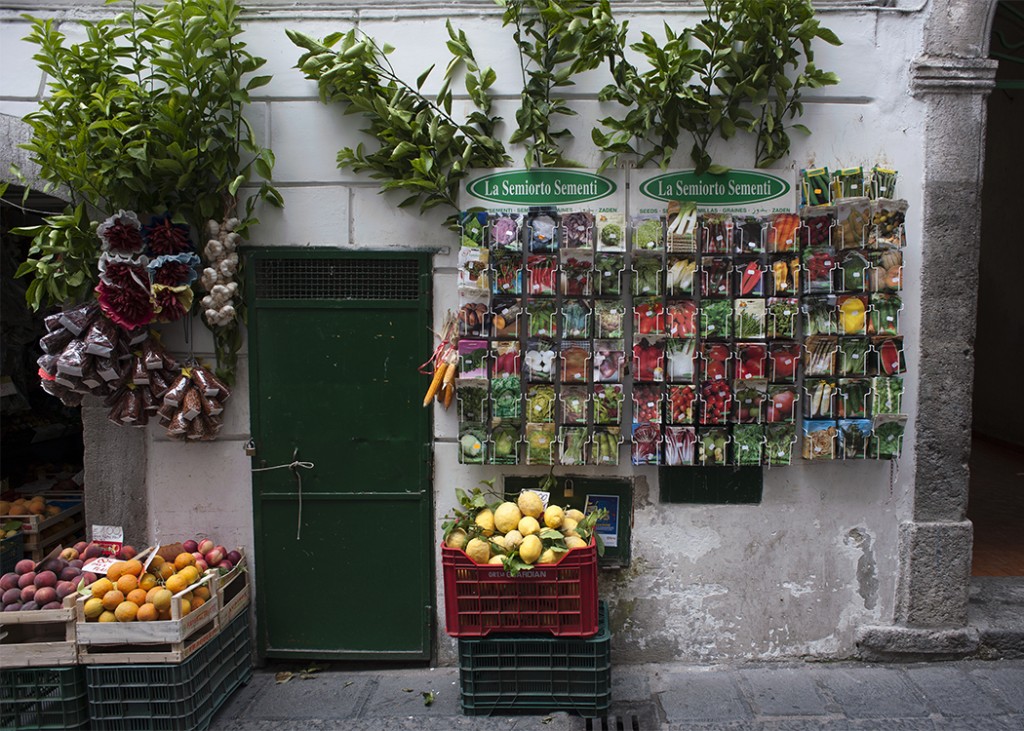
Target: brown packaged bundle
{"points": [[72, 358], [107, 368], [211, 407], [140, 374], [152, 356], [101, 338], [78, 319], [176, 392], [178, 426], [192, 404], [197, 429], [54, 342]]}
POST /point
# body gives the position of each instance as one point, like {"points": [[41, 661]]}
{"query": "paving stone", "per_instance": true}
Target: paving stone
{"points": [[328, 695], [871, 692], [1004, 679], [950, 691], [630, 686], [400, 693], [981, 723], [711, 696], [783, 692]]}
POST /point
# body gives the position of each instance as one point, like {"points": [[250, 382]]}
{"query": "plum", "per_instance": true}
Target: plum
{"points": [[24, 566], [10, 596], [26, 579], [28, 593], [15, 607], [45, 578], [8, 581]]}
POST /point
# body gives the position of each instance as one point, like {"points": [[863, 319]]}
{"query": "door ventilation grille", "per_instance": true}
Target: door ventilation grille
{"points": [[337, 279]]}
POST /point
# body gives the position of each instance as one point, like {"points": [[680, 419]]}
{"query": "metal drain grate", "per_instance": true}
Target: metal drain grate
{"points": [[625, 717], [337, 279]]}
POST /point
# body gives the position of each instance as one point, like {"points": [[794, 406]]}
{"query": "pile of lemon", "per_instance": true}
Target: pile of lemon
{"points": [[130, 594]]}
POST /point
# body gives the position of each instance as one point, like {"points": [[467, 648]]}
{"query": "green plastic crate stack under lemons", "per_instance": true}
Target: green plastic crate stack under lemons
{"points": [[537, 673]]}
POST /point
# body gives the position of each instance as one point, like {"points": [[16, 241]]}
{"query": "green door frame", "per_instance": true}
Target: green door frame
{"points": [[424, 325]]}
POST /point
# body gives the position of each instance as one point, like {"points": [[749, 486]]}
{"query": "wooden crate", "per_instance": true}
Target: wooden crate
{"points": [[233, 592], [161, 641], [40, 638], [36, 524]]}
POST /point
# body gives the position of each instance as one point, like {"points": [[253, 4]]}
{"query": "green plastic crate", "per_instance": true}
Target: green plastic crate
{"points": [[537, 673], [43, 698], [236, 665]]}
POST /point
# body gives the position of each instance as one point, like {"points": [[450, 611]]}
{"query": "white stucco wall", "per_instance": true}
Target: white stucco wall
{"points": [[792, 576]]}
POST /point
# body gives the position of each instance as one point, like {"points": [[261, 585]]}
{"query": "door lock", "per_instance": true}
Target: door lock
{"points": [[250, 448]]}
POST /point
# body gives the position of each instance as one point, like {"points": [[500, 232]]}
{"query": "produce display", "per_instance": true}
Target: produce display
{"points": [[733, 338], [517, 535]]}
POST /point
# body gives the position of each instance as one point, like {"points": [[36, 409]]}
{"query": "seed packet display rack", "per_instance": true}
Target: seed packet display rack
{"points": [[699, 338]]}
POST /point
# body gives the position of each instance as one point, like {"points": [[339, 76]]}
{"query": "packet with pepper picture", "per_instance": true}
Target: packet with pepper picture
{"points": [[750, 277]]}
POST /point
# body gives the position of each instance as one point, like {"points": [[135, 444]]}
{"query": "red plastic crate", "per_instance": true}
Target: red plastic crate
{"points": [[560, 599]]}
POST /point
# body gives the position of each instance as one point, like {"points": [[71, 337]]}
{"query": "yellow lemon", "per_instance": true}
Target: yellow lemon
{"points": [[530, 503], [553, 516], [457, 539], [485, 519], [507, 517], [530, 549], [479, 550], [529, 526]]}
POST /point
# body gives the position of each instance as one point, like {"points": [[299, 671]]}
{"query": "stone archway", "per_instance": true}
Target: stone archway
{"points": [[953, 77]]}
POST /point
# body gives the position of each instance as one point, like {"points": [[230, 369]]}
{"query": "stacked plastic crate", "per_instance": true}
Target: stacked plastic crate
{"points": [[535, 642]]}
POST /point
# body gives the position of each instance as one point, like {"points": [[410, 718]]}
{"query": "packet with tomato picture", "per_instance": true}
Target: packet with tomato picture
{"points": [[749, 400], [575, 401], [647, 400], [649, 358], [783, 359], [749, 234], [783, 232], [648, 316], [715, 360], [680, 359], [818, 266], [818, 226], [680, 445], [646, 449], [782, 400], [715, 402], [681, 399], [751, 360], [681, 318]]}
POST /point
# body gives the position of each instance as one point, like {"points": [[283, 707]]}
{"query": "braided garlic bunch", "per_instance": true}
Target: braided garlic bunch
{"points": [[219, 275]]}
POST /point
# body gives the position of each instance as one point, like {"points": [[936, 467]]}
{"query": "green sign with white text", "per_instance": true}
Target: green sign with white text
{"points": [[735, 190], [539, 187]]}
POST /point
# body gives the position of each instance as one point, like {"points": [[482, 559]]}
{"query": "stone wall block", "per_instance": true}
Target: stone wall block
{"points": [[312, 216], [935, 573]]}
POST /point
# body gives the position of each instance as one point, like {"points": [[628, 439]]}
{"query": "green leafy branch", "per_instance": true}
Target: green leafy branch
{"points": [[423, 150]]}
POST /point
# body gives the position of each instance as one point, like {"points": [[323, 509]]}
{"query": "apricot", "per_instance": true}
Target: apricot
{"points": [[126, 611], [127, 584], [147, 613], [136, 596], [101, 587]]}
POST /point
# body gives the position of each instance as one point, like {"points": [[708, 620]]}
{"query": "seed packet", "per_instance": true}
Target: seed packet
{"points": [[506, 401], [712, 446], [608, 404], [505, 317], [505, 230], [750, 279], [647, 276], [716, 319], [854, 398], [783, 232], [472, 314], [814, 186], [506, 358], [852, 319], [610, 318], [472, 443], [820, 398], [848, 183], [542, 229], [680, 445], [504, 445], [539, 361], [55, 341], [101, 337], [888, 223], [540, 444], [575, 362], [648, 316], [887, 437], [715, 275], [140, 374], [852, 358], [784, 274], [714, 361], [578, 230], [573, 445], [820, 439], [473, 264], [647, 399], [577, 276], [542, 274], [605, 447], [782, 400], [71, 361], [715, 402], [574, 404], [473, 358], [540, 403], [750, 234], [747, 444], [820, 355], [681, 399], [681, 227], [508, 272], [750, 401], [611, 232], [680, 359], [575, 320], [885, 314], [541, 319], [818, 230], [886, 272], [883, 183], [780, 317], [783, 359], [649, 358], [854, 435], [751, 360], [779, 441], [679, 275], [681, 319], [853, 272], [817, 267], [608, 275], [646, 448], [888, 357], [78, 319], [749, 318], [716, 233], [886, 395], [854, 223], [648, 233], [609, 361], [473, 227], [471, 396], [820, 316]]}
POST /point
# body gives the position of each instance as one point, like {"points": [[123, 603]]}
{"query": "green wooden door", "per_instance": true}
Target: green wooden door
{"points": [[343, 570]]}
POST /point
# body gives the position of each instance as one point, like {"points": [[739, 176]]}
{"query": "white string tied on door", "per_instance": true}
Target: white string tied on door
{"points": [[294, 466]]}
